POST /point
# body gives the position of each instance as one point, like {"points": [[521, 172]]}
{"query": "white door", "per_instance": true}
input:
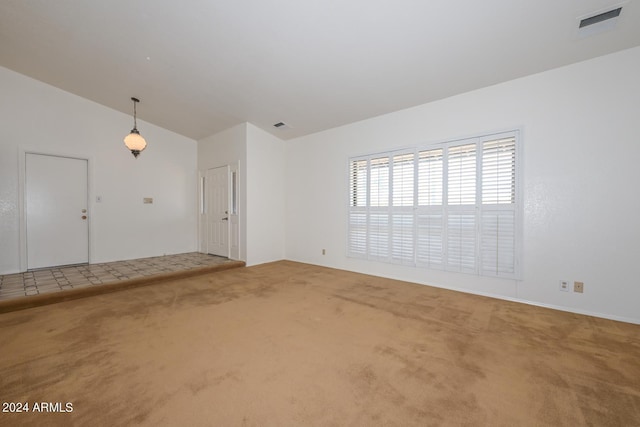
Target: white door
{"points": [[217, 199], [56, 211]]}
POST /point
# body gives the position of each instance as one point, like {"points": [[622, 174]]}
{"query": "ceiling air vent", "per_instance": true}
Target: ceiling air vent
{"points": [[595, 19], [280, 125], [599, 21]]}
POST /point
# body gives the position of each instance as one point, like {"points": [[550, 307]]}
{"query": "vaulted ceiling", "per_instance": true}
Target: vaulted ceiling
{"points": [[201, 66]]}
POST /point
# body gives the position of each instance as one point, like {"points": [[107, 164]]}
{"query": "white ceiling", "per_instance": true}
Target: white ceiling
{"points": [[201, 66]]}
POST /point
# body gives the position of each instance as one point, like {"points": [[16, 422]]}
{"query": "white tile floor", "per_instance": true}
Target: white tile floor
{"points": [[69, 277]]}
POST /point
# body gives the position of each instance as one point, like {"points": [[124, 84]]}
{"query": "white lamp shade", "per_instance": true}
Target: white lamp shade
{"points": [[135, 142]]}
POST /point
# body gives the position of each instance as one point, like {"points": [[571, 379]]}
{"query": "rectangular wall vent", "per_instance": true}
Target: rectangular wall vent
{"points": [[600, 17]]}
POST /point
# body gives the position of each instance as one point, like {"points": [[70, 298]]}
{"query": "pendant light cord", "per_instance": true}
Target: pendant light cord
{"points": [[135, 123]]}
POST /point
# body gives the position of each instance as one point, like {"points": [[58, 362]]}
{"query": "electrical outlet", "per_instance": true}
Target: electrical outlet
{"points": [[324, 252], [564, 285], [578, 287]]}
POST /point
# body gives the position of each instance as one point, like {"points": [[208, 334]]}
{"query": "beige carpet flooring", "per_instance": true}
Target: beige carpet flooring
{"points": [[290, 344]]}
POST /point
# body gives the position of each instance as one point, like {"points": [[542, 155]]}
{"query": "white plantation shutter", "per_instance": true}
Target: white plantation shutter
{"points": [[461, 242], [460, 210], [358, 173], [498, 242], [357, 240], [429, 249], [379, 184], [430, 219], [358, 182], [498, 218], [452, 206], [461, 188], [402, 215], [402, 238], [379, 229], [499, 171], [379, 235], [430, 167], [403, 177]]}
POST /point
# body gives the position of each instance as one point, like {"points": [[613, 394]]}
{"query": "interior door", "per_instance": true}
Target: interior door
{"points": [[217, 194], [56, 210]]}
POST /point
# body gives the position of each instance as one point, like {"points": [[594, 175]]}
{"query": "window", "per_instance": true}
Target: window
{"points": [[451, 206], [234, 193], [203, 199]]}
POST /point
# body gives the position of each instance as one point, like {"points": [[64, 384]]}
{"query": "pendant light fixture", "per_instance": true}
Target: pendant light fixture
{"points": [[134, 141]]}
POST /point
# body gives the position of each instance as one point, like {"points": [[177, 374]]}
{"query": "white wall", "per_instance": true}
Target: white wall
{"points": [[226, 148], [265, 197], [581, 201], [36, 116]]}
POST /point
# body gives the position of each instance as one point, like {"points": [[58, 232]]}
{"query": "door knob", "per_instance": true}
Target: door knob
{"points": [[225, 219], [84, 217]]}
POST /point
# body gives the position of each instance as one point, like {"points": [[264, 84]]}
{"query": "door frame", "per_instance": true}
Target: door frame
{"points": [[235, 207], [22, 188]]}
